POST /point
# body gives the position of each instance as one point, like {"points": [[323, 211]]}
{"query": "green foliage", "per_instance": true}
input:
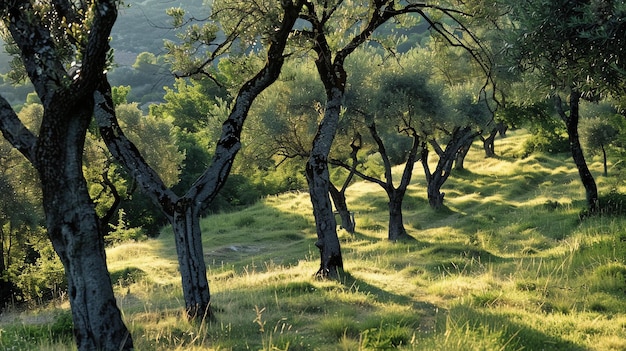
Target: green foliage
{"points": [[192, 106], [44, 279], [572, 46], [120, 94], [146, 78], [597, 133], [545, 141], [120, 232], [156, 138]]}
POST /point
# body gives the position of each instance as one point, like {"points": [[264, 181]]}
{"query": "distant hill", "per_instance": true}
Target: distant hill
{"points": [[143, 26]]}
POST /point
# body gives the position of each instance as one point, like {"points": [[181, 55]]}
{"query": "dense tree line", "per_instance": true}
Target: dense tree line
{"points": [[285, 95]]}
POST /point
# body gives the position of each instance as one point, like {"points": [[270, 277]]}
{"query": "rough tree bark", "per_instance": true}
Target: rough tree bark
{"points": [[184, 212], [571, 123], [318, 177], [71, 221]]}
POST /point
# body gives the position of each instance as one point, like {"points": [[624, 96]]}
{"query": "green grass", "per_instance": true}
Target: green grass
{"points": [[507, 264]]}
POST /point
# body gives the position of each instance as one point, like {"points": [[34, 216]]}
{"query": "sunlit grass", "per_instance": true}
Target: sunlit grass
{"points": [[506, 265]]}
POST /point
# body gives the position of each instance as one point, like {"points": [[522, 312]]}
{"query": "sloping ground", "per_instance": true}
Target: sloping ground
{"points": [[506, 265]]}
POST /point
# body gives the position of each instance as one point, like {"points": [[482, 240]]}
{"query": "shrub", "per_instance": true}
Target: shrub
{"points": [[545, 141]]}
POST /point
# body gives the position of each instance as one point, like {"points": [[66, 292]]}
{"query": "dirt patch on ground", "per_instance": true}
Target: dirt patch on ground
{"points": [[231, 253]]}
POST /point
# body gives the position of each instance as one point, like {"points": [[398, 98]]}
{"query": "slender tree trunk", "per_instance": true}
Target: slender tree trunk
{"points": [[606, 170], [188, 238], [339, 199], [571, 122], [6, 286]]}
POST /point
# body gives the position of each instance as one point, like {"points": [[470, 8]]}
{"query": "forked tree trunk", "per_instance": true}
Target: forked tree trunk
{"points": [[184, 212], [435, 180]]}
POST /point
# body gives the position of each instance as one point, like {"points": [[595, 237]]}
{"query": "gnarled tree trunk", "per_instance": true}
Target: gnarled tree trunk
{"points": [[73, 229], [318, 177], [72, 224]]}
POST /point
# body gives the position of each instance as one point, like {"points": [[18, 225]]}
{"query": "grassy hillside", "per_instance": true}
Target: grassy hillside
{"points": [[507, 265]]}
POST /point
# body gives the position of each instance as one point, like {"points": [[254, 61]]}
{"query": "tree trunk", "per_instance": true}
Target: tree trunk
{"points": [[459, 161], [489, 143], [435, 196], [434, 181], [331, 261], [606, 169], [502, 128], [396, 223], [73, 229], [188, 238], [339, 199], [71, 221], [571, 122], [6, 286]]}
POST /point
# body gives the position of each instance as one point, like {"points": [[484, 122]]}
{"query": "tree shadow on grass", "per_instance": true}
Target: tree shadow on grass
{"points": [[514, 335], [352, 282]]}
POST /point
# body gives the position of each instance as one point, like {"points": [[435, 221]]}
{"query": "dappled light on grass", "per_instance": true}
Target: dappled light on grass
{"points": [[507, 264]]}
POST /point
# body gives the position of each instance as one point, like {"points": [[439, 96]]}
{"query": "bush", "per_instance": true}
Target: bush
{"points": [[43, 280], [545, 141], [120, 232]]}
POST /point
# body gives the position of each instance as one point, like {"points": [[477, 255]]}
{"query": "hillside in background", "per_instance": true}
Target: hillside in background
{"points": [[142, 26], [506, 265]]}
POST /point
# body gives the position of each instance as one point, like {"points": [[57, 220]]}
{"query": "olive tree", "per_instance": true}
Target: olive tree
{"points": [[573, 50], [238, 20], [48, 36]]}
